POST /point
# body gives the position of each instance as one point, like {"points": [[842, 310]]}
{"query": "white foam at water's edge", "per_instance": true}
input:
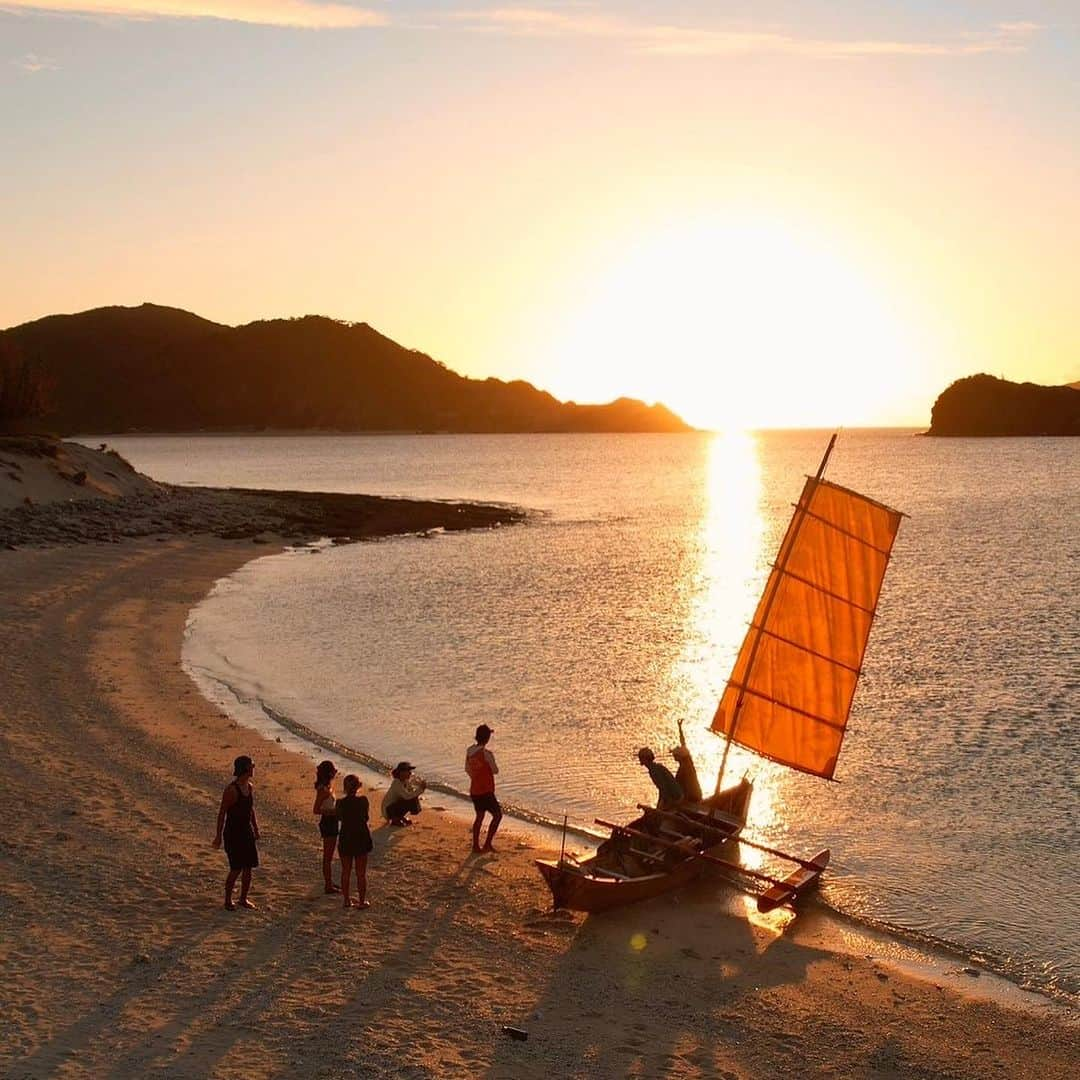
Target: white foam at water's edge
{"points": [[245, 707]]}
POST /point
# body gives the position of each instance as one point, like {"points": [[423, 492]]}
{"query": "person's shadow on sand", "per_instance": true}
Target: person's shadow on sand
{"points": [[285, 952]]}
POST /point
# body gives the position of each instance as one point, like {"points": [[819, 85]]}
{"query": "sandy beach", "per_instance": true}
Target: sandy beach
{"points": [[118, 960]]}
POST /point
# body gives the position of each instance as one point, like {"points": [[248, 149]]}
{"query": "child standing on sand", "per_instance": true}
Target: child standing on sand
{"points": [[238, 826], [354, 843], [325, 772]]}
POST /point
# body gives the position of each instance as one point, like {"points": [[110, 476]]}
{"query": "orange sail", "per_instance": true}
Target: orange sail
{"points": [[791, 689]]}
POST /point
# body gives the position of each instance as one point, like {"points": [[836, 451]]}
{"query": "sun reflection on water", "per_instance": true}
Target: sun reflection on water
{"points": [[726, 580]]}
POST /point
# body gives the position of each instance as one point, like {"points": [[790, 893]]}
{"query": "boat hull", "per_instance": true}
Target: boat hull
{"points": [[581, 892], [574, 888]]}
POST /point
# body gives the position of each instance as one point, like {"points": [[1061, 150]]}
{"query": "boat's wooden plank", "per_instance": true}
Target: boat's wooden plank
{"points": [[788, 890]]}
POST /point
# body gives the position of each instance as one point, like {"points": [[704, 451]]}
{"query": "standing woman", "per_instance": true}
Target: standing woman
{"points": [[355, 841], [237, 824], [328, 820]]}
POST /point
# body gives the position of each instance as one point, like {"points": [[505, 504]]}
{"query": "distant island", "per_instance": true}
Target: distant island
{"points": [[985, 405], [153, 368]]}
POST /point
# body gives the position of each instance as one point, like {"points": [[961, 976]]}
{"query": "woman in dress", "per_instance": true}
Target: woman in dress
{"points": [[354, 843], [328, 822], [239, 828]]}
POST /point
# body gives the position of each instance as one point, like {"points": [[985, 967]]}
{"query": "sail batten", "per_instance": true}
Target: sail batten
{"points": [[812, 652], [790, 708], [794, 679], [828, 592], [833, 525]]}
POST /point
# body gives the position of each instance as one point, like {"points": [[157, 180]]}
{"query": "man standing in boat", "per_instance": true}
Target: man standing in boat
{"points": [[481, 769], [669, 794], [686, 774]]}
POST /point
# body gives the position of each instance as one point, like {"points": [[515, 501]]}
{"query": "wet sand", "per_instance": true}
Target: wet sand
{"points": [[117, 960]]}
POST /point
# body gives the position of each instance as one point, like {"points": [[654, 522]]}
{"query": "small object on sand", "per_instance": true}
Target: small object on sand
{"points": [[515, 1033], [974, 972]]}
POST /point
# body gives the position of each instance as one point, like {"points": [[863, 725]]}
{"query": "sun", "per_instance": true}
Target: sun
{"points": [[738, 325]]}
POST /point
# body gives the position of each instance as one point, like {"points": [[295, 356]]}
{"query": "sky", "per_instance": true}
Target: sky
{"points": [[765, 214]]}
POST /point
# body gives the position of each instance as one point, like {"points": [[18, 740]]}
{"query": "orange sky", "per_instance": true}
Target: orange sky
{"points": [[782, 216]]}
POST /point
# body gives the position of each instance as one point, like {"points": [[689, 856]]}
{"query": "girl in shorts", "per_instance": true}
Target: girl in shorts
{"points": [[328, 822], [354, 843]]}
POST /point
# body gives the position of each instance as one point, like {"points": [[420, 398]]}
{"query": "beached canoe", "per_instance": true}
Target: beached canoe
{"points": [[646, 858]]}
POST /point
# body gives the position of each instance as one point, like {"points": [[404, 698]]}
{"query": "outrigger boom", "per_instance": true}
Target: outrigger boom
{"points": [[702, 821]]}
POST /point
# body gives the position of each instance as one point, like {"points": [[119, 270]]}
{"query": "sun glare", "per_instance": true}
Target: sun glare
{"points": [[738, 325]]}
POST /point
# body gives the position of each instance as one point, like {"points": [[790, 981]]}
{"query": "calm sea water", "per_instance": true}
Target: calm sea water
{"points": [[619, 608]]}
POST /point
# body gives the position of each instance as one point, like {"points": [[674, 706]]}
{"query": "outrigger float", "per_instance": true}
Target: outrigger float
{"points": [[788, 700]]}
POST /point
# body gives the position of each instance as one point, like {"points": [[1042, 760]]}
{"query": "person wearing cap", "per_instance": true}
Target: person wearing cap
{"points": [[669, 792], [239, 828], [481, 769], [403, 795]]}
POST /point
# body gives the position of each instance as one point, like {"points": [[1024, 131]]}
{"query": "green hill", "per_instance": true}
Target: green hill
{"points": [[153, 368]]}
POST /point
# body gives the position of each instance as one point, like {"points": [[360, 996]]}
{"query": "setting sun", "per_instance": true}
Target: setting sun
{"points": [[738, 324]]}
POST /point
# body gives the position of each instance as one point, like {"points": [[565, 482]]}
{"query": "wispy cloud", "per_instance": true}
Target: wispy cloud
{"points": [[33, 63], [309, 14], [688, 40]]}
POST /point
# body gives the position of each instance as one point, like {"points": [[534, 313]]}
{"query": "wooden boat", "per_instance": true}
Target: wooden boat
{"points": [[638, 861], [787, 700]]}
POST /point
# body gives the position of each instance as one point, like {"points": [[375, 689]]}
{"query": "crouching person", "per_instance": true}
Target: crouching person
{"points": [[403, 795]]}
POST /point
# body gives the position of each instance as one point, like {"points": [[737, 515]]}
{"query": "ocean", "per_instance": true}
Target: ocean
{"points": [[618, 608]]}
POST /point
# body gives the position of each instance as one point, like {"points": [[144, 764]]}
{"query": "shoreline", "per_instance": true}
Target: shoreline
{"points": [[112, 769], [930, 958]]}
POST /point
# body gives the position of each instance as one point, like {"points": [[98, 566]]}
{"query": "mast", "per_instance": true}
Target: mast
{"points": [[800, 517]]}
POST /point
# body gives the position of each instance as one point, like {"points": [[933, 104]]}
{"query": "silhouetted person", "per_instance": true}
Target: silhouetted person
{"points": [[325, 772], [686, 774], [403, 795], [354, 843], [669, 792], [238, 826], [481, 768]]}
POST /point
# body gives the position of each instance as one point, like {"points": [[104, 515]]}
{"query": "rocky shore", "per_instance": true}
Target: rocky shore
{"points": [[238, 514], [63, 493]]}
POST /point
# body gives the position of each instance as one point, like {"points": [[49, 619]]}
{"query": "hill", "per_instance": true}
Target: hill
{"points": [[985, 405], [153, 368]]}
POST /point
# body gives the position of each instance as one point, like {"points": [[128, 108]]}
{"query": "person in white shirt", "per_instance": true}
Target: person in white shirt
{"points": [[403, 795]]}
